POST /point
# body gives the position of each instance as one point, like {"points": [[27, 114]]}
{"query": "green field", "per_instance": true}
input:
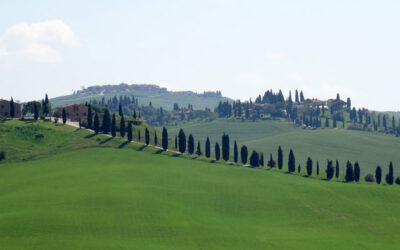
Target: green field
{"points": [[370, 149]]}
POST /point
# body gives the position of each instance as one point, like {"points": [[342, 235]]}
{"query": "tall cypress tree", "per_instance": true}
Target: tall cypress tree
{"points": [[198, 149], [217, 151], [329, 170], [280, 158], [35, 111], [244, 154], [254, 160], [291, 162], [176, 143], [389, 176], [235, 152], [309, 166], [120, 109], [64, 116], [106, 121], [356, 172], [130, 131], [191, 144], [122, 126], [337, 169], [208, 148], [113, 126], [89, 117], [225, 147], [147, 137], [271, 162], [12, 108], [182, 141], [261, 161], [165, 138], [155, 138], [317, 168], [96, 125], [349, 177], [378, 174]]}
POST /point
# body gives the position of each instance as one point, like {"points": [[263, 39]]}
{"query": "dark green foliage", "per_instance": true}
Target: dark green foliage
{"points": [[299, 168], [291, 162], [217, 151], [244, 154], [225, 147], [122, 126], [90, 117], [64, 116], [280, 158], [378, 174], [309, 166], [326, 122], [235, 152], [182, 141], [261, 161], [139, 136], [2, 155], [208, 148], [317, 168], [176, 143], [12, 108], [147, 137], [113, 127], [337, 169], [191, 144], [198, 151], [120, 109], [96, 125], [356, 172], [254, 159], [165, 138], [329, 170], [389, 176], [397, 181], [349, 177], [106, 125], [271, 162], [155, 139], [130, 131], [36, 111], [369, 178]]}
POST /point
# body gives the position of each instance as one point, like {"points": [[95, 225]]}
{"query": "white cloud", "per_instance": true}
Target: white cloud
{"points": [[294, 76], [39, 41], [274, 55]]}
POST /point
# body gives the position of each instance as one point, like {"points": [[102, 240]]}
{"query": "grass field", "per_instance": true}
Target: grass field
{"points": [[370, 149], [104, 198]]}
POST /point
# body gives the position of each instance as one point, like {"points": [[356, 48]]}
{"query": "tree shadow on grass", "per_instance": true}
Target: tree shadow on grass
{"points": [[175, 155], [159, 151], [124, 144], [106, 140], [90, 136], [142, 148]]}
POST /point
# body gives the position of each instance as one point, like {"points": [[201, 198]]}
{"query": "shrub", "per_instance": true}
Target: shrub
{"points": [[369, 178], [2, 155], [397, 181], [56, 120]]}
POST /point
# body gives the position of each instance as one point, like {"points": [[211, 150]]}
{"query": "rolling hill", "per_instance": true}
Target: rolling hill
{"points": [[160, 97], [370, 149]]}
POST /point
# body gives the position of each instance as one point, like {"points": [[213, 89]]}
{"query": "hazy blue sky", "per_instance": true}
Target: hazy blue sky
{"points": [[239, 47]]}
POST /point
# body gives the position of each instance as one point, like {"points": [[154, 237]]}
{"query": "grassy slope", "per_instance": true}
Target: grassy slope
{"points": [[125, 199], [370, 149]]}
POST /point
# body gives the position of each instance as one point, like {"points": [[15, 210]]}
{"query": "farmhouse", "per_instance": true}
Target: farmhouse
{"points": [[74, 112], [5, 107]]}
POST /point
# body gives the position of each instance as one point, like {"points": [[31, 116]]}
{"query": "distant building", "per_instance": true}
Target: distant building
{"points": [[5, 106], [74, 112]]}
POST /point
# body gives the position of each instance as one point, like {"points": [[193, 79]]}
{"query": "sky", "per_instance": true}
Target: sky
{"points": [[242, 48]]}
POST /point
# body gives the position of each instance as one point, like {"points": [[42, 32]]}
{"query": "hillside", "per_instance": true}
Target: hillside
{"points": [[160, 97], [370, 149]]}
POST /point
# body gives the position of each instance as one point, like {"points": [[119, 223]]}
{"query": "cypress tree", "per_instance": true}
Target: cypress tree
{"points": [[12, 108], [299, 168], [280, 158], [235, 152], [329, 170], [155, 138], [291, 162], [356, 172], [389, 176], [261, 161], [106, 122], [309, 166], [64, 116], [182, 141], [217, 151], [96, 125], [89, 117], [244, 154], [254, 159], [113, 127], [176, 143], [35, 111], [165, 139], [271, 162], [208, 148], [225, 147], [378, 174], [120, 109], [129, 131], [122, 126], [198, 149], [317, 168], [147, 136], [191, 144], [349, 177], [337, 169], [326, 122], [139, 136]]}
